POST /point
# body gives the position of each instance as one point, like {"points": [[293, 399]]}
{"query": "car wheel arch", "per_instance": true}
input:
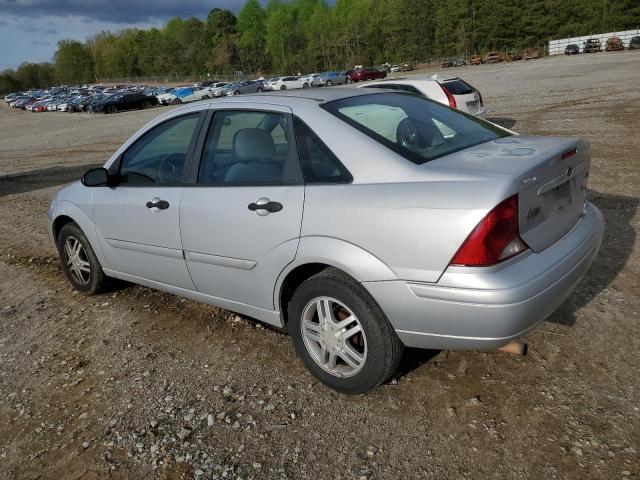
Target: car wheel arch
{"points": [[318, 253], [65, 212]]}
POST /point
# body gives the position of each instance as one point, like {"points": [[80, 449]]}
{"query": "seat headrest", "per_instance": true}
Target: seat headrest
{"points": [[253, 144]]}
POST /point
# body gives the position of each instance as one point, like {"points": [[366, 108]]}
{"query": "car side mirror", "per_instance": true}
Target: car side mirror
{"points": [[96, 177]]}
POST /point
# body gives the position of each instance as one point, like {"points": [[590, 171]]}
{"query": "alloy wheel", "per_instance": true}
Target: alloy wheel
{"points": [[77, 261], [334, 337]]}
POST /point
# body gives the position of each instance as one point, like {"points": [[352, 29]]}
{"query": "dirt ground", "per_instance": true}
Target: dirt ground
{"points": [[141, 384]]}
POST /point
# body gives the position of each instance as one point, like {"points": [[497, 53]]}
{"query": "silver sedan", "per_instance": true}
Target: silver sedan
{"points": [[361, 221]]}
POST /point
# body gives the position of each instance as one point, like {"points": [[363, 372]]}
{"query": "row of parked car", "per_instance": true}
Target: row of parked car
{"points": [[96, 98], [592, 45], [494, 56], [101, 99]]}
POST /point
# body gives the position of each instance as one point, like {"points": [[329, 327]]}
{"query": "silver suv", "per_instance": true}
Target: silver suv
{"points": [[361, 221]]}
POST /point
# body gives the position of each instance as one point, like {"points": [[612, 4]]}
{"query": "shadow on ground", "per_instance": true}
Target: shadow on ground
{"points": [[41, 178], [503, 122]]}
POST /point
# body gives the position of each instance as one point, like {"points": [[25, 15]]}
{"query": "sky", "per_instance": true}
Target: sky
{"points": [[30, 29]]}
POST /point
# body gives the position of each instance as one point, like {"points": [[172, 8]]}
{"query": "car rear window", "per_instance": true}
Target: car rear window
{"points": [[415, 127], [458, 87]]}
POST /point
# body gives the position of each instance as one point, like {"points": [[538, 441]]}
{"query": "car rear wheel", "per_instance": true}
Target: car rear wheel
{"points": [[79, 261], [236, 92], [112, 109], [306, 85], [206, 97], [329, 83], [146, 104], [176, 101], [259, 90], [341, 335], [283, 87]]}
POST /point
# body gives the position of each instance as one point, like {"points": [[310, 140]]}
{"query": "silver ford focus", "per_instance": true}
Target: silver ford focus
{"points": [[360, 221]]}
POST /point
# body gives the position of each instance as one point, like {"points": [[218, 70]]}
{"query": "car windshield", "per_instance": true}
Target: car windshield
{"points": [[416, 128]]}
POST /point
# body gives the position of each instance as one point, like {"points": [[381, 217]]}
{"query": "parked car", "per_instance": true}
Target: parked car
{"points": [[476, 60], [634, 43], [614, 44], [446, 231], [531, 53], [394, 68], [311, 80], [446, 63], [572, 49], [330, 79], [286, 83], [494, 56], [366, 74], [451, 91], [459, 62], [189, 94], [247, 86], [591, 45], [123, 101], [217, 89]]}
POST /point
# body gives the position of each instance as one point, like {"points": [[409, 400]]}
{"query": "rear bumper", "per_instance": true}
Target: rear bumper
{"points": [[485, 308]]}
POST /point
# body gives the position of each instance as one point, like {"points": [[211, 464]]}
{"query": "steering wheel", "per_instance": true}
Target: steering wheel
{"points": [[408, 135]]}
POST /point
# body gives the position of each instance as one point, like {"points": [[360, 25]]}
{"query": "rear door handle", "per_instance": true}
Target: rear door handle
{"points": [[264, 206], [158, 204]]}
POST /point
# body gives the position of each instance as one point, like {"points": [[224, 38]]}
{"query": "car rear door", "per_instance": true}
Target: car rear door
{"points": [[240, 218], [137, 220]]}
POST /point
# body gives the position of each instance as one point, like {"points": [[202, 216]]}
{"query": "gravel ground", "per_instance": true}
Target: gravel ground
{"points": [[136, 383]]}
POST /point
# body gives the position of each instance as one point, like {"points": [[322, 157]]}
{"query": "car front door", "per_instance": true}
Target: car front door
{"points": [[240, 219], [137, 220]]}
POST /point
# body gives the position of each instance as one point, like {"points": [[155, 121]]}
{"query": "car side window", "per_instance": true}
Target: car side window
{"points": [[245, 147], [408, 88], [319, 164], [158, 157]]}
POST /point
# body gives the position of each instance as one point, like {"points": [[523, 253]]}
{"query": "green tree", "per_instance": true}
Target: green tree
{"points": [[251, 36], [73, 62]]}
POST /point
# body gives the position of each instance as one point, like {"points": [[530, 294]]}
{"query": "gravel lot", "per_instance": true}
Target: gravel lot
{"points": [[141, 384]]}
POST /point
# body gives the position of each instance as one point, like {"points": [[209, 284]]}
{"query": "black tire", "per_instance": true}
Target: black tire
{"points": [[305, 85], [329, 83], [97, 281], [112, 109], [384, 348], [236, 92], [206, 97], [146, 104], [259, 90], [283, 87]]}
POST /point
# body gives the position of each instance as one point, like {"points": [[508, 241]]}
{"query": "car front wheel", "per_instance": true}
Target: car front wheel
{"points": [[79, 261], [341, 335]]}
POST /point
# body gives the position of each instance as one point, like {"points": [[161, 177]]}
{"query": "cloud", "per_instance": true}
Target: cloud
{"points": [[119, 11]]}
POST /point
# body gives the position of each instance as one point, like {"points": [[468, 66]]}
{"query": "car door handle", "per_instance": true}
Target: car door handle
{"points": [[262, 206], [159, 204]]}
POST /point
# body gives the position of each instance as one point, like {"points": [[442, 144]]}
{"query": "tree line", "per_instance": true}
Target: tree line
{"points": [[311, 35]]}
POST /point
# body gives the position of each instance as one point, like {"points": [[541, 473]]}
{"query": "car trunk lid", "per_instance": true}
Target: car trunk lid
{"points": [[550, 175]]}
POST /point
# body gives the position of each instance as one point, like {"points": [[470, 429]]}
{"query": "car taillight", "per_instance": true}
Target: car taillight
{"points": [[495, 238], [450, 97]]}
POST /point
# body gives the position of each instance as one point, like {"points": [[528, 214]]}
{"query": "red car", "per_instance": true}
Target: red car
{"points": [[366, 74]]}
